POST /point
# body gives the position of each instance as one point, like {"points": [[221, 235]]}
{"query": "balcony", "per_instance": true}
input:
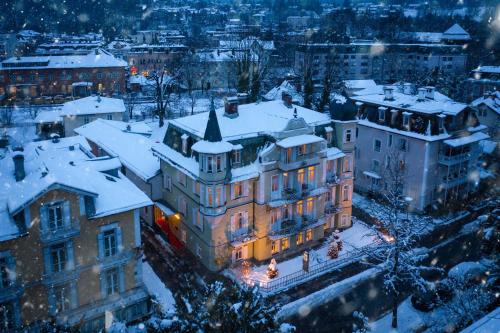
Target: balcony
{"points": [[293, 225], [452, 181], [332, 209], [242, 236], [332, 180], [65, 232], [299, 162], [455, 159]]}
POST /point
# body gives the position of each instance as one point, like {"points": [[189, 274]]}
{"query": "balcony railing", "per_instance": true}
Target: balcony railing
{"points": [[299, 161], [67, 231], [332, 209], [333, 180], [242, 235], [293, 224]]}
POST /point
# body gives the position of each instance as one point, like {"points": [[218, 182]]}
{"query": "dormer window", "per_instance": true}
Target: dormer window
{"points": [[381, 114], [406, 120], [236, 156], [301, 150], [219, 163]]}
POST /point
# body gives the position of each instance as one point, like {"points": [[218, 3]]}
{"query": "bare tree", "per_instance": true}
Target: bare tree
{"points": [[192, 102], [131, 105], [397, 234], [6, 115], [163, 83]]}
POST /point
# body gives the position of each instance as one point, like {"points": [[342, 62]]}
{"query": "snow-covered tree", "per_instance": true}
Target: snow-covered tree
{"points": [[333, 250], [221, 308], [360, 323], [397, 236]]}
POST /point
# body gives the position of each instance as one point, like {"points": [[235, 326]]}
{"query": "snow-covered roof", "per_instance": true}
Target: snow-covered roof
{"points": [[488, 69], [68, 165], [359, 84], [492, 102], [478, 136], [132, 147], [93, 105], [93, 59], [207, 147], [188, 164], [52, 116], [456, 32], [253, 120], [365, 122], [297, 140], [276, 93], [439, 104]]}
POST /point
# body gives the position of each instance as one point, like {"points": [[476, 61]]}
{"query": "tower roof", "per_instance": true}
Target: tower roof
{"points": [[212, 132]]}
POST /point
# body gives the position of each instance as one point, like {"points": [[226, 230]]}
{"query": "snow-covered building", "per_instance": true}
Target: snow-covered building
{"points": [[488, 111], [31, 77], [483, 80], [435, 139], [84, 110], [69, 238], [131, 144], [253, 181], [285, 87]]}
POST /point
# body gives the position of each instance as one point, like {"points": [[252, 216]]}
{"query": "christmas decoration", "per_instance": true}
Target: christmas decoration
{"points": [[272, 269]]}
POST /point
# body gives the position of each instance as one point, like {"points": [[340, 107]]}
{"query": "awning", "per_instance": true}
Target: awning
{"points": [[167, 211], [478, 136]]}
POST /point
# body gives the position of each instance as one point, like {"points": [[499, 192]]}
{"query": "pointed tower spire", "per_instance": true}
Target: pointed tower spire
{"points": [[212, 132]]}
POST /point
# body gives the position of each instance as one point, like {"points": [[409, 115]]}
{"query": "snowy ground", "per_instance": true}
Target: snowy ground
{"points": [[376, 210], [158, 289], [358, 236]]}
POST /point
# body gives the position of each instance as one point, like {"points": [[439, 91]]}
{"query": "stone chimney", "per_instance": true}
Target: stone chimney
{"points": [[407, 88], [287, 99], [231, 107], [18, 158], [388, 93], [421, 94], [430, 92]]}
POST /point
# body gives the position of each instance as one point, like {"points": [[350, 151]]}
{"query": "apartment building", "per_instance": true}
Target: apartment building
{"points": [[36, 79], [435, 139], [483, 80], [253, 181], [382, 62], [69, 238]]}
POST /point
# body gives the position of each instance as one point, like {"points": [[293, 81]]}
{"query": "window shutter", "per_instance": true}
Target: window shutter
{"points": [[233, 224], [245, 189], [46, 260], [119, 239], [51, 300], [100, 245], [121, 278], [66, 213], [27, 217], [11, 264], [245, 215], [70, 265], [232, 191], [73, 295], [102, 277], [81, 202], [44, 216]]}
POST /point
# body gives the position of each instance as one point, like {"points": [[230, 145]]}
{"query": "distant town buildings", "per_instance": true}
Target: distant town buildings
{"points": [[483, 80], [52, 79]]}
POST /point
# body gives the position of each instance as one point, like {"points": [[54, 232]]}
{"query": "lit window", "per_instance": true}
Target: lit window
{"points": [[300, 207], [274, 247], [310, 175], [309, 235], [300, 238], [274, 183], [309, 205], [284, 244], [300, 176]]}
